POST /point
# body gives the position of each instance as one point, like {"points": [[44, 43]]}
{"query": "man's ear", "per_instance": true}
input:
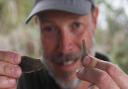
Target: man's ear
{"points": [[95, 14]]}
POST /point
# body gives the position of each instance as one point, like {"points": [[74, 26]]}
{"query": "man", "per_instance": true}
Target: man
{"points": [[66, 27]]}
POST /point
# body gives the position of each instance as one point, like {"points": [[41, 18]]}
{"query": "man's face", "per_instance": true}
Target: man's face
{"points": [[61, 36]]}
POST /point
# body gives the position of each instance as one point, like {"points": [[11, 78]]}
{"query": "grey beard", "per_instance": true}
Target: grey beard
{"points": [[73, 84], [68, 84]]}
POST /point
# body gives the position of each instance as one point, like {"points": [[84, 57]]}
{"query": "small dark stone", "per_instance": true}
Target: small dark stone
{"points": [[29, 64]]}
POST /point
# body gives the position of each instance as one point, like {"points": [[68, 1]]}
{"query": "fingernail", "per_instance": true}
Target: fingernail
{"points": [[77, 70], [17, 72], [80, 72], [87, 61]]}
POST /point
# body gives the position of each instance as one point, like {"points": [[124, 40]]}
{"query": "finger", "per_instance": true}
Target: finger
{"points": [[15, 87], [10, 70], [6, 83], [98, 77], [12, 87], [113, 70], [10, 57]]}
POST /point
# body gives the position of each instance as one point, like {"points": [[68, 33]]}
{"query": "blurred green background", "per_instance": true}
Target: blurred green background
{"points": [[111, 35]]}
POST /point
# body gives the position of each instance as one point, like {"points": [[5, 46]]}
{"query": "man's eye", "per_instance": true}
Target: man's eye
{"points": [[49, 29], [76, 25]]}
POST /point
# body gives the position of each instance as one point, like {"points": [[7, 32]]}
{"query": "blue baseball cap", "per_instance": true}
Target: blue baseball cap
{"points": [[80, 7]]}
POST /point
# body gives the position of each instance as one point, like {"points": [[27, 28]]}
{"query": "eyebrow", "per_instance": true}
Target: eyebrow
{"points": [[46, 20]]}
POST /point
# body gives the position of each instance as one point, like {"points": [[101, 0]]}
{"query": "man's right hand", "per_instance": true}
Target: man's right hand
{"points": [[9, 69]]}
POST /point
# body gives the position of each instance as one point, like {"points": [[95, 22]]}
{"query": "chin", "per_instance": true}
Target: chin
{"points": [[66, 72], [67, 80], [70, 84]]}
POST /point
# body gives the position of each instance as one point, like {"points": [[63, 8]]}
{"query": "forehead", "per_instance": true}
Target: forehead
{"points": [[55, 15]]}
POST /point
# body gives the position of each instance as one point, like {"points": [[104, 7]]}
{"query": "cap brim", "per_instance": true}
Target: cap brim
{"points": [[76, 7]]}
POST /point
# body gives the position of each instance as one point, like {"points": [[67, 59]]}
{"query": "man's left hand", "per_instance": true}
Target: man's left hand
{"points": [[104, 75]]}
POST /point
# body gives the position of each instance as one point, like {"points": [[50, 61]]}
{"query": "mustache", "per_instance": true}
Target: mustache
{"points": [[60, 58]]}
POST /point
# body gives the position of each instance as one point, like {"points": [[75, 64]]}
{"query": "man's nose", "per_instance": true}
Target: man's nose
{"points": [[66, 42]]}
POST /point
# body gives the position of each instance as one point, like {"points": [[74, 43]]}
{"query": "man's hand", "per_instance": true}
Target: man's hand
{"points": [[103, 74], [9, 69]]}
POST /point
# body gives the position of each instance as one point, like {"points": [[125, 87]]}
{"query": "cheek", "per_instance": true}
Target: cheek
{"points": [[89, 40], [88, 37], [48, 44]]}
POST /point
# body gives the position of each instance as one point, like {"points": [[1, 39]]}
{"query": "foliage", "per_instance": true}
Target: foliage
{"points": [[114, 39]]}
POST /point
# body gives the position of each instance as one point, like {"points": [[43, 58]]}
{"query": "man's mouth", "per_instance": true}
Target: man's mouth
{"points": [[64, 63], [70, 58], [67, 59], [69, 62]]}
